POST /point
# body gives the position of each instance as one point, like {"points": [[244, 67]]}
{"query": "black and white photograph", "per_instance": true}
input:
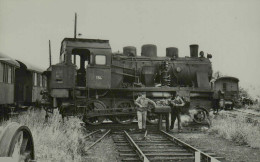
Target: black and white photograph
{"points": [[129, 80]]}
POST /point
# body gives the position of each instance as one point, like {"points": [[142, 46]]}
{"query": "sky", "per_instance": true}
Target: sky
{"points": [[227, 29]]}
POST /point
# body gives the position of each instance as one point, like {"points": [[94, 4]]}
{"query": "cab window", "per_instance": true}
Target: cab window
{"points": [[35, 79], [100, 59], [9, 80], [224, 86]]}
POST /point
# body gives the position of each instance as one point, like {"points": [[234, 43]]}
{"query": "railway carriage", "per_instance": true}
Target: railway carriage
{"points": [[7, 81], [29, 83], [20, 84], [108, 85]]}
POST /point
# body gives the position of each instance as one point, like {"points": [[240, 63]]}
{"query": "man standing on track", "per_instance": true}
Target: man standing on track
{"points": [[176, 106], [142, 103]]}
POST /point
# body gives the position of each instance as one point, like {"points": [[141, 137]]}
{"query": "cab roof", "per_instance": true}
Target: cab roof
{"points": [[228, 77], [93, 45]]}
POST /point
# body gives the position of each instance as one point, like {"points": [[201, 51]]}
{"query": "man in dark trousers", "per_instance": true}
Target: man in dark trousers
{"points": [[176, 106], [215, 101]]}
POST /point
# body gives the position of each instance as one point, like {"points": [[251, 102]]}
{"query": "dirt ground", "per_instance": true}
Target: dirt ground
{"points": [[222, 147]]}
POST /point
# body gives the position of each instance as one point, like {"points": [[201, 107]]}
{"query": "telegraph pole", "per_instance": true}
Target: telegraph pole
{"points": [[75, 26], [75, 35], [50, 52]]}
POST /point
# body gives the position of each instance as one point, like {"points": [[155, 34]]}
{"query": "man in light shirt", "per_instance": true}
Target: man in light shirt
{"points": [[142, 103]]}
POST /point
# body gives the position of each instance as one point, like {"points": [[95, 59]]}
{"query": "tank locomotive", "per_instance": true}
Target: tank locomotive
{"points": [[105, 84]]}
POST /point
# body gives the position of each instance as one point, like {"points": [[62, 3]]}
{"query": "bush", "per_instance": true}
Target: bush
{"points": [[237, 130], [255, 107], [54, 140]]}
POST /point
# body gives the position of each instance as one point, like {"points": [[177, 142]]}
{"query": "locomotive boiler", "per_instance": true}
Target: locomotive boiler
{"points": [[104, 85]]}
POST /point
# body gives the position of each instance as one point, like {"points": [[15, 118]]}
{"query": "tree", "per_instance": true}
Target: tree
{"points": [[243, 93]]}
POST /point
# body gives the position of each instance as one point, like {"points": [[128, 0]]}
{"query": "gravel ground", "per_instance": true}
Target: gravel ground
{"points": [[104, 151], [224, 148]]}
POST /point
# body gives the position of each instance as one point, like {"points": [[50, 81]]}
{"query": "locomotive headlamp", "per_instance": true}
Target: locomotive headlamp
{"points": [[209, 55]]}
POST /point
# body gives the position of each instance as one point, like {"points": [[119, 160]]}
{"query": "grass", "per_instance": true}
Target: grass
{"points": [[54, 140], [236, 129]]}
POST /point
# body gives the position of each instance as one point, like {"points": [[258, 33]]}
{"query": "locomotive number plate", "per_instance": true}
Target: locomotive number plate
{"points": [[98, 77]]}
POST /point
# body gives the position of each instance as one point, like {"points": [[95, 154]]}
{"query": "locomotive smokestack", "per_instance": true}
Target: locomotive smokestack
{"points": [[194, 50], [172, 52], [129, 51], [149, 50]]}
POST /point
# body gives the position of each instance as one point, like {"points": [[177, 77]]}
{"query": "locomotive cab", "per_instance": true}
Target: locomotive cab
{"points": [[99, 71]]}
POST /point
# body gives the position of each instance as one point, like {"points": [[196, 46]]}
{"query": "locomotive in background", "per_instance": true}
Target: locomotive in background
{"points": [[105, 84], [229, 88]]}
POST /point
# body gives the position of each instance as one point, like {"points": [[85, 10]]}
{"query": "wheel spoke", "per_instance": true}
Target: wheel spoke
{"points": [[24, 145], [17, 146]]}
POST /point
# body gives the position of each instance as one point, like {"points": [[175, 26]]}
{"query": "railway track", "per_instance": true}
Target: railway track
{"points": [[187, 128], [95, 137], [157, 146]]}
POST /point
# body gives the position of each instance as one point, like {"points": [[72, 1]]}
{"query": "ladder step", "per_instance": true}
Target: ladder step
{"points": [[81, 88]]}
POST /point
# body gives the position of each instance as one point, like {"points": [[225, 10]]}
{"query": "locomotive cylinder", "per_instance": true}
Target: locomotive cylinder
{"points": [[129, 51], [194, 50], [172, 52], [149, 50]]}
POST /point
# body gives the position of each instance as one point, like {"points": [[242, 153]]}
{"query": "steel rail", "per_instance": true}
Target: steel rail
{"points": [[94, 132], [198, 154], [104, 135], [136, 148]]}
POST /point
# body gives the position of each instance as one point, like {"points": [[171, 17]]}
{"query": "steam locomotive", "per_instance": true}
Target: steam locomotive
{"points": [[105, 84]]}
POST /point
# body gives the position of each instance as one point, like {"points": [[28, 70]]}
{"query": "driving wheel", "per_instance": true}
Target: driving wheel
{"points": [[126, 107], [200, 116], [93, 106]]}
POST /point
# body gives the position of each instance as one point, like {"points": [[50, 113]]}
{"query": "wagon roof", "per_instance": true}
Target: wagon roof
{"points": [[8, 60], [31, 67], [228, 77]]}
